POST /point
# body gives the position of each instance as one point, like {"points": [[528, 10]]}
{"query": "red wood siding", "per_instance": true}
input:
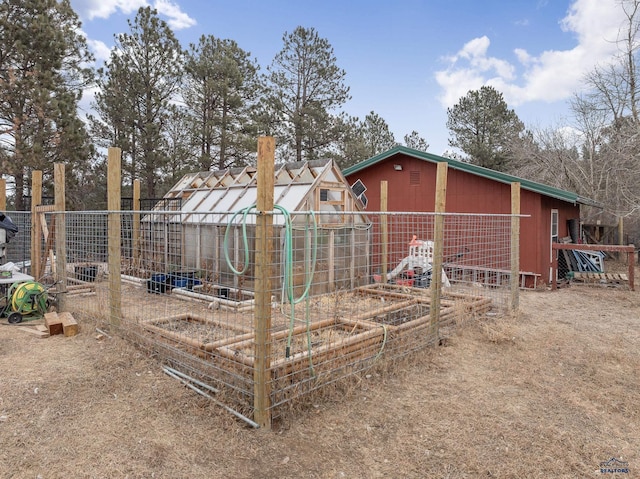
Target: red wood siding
{"points": [[413, 189]]}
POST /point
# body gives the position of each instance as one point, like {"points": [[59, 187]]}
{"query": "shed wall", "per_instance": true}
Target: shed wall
{"points": [[411, 188]]}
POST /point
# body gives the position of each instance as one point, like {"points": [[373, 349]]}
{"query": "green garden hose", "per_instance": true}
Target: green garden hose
{"points": [[287, 283]]}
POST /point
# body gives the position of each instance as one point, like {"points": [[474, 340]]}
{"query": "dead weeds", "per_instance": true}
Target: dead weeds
{"points": [[552, 392]]}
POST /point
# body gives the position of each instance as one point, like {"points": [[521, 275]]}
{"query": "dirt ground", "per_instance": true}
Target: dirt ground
{"points": [[551, 392]]}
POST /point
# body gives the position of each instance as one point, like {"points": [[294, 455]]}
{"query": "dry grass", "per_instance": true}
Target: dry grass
{"points": [[551, 392], [501, 328]]}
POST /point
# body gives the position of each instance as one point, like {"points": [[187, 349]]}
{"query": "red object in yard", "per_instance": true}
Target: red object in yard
{"points": [[405, 278]]}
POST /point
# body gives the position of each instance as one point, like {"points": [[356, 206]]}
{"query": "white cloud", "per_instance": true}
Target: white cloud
{"points": [[175, 17], [100, 50], [481, 69], [523, 56], [475, 48], [548, 76], [91, 9]]}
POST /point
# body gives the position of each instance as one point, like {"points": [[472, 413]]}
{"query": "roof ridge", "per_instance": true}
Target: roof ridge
{"points": [[502, 177]]}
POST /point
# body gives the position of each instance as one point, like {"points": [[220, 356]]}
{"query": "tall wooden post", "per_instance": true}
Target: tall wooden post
{"points": [[61, 236], [438, 248], [114, 186], [621, 231], [264, 260], [36, 228], [136, 223], [515, 246], [3, 194], [384, 228]]}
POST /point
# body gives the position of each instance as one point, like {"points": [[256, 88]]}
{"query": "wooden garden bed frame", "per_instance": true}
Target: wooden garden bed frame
{"points": [[154, 326]]}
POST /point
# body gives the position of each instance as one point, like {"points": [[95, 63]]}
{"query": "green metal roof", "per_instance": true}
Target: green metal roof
{"points": [[475, 170]]}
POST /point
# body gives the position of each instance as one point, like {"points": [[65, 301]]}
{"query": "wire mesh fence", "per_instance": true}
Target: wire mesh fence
{"points": [[344, 291]]}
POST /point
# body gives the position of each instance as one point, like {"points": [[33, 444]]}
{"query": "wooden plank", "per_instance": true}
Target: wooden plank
{"points": [[114, 186], [59, 266], [629, 249], [35, 332], [264, 260], [136, 223], [515, 245], [384, 234], [331, 259], [69, 324], [591, 277], [53, 322], [3, 194], [630, 262], [593, 247], [45, 208], [438, 246], [36, 199], [48, 237]]}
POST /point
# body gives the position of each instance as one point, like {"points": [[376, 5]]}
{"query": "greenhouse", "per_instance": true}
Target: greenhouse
{"points": [[204, 228]]}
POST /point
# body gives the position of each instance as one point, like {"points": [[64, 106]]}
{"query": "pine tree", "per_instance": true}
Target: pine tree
{"points": [[221, 87], [415, 141], [138, 84], [484, 127], [42, 75], [306, 87]]}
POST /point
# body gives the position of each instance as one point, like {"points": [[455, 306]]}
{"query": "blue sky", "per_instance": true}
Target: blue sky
{"points": [[408, 60]]}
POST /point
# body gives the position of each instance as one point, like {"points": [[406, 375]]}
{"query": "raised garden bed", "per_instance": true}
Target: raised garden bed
{"points": [[332, 342], [196, 332]]}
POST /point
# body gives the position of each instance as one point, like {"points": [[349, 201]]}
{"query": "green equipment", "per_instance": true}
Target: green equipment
{"points": [[28, 299]]}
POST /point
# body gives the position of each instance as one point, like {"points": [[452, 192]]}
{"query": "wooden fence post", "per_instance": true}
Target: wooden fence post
{"points": [[114, 186], [264, 260], [61, 236], [3, 194], [515, 246], [438, 248], [136, 224], [384, 230], [36, 228]]}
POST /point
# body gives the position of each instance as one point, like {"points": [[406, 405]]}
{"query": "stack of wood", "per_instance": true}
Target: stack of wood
{"points": [[61, 323], [54, 323]]}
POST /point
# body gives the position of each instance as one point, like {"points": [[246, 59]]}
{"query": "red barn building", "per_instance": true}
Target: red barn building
{"points": [[411, 183]]}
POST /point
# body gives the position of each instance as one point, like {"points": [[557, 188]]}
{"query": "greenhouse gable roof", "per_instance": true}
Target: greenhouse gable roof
{"points": [[213, 196]]}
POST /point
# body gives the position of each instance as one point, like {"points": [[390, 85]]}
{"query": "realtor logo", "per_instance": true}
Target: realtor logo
{"points": [[614, 466]]}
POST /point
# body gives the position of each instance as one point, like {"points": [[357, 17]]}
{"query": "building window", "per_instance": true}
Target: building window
{"points": [[554, 236], [331, 200], [554, 226]]}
